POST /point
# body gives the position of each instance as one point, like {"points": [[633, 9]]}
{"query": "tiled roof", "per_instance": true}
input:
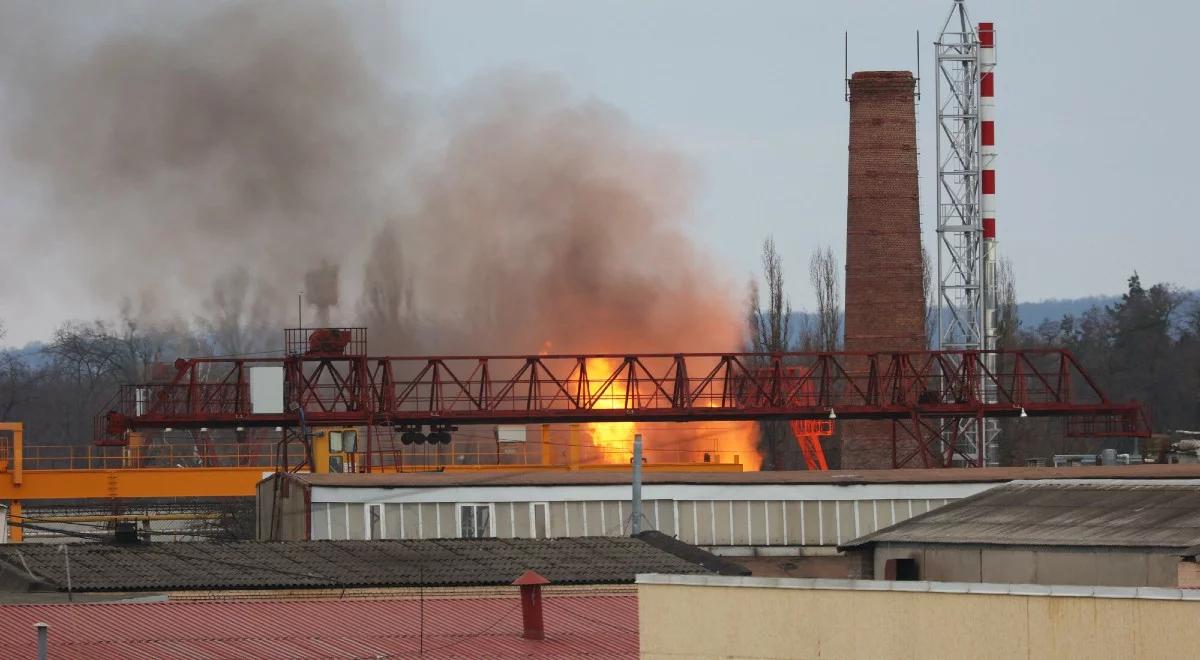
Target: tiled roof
{"points": [[612, 477], [1081, 513], [336, 564], [593, 626]]}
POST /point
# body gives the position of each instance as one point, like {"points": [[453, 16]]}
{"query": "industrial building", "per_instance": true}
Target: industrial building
{"points": [[714, 617], [750, 513], [580, 624], [729, 513], [294, 569], [1069, 532], [885, 295]]}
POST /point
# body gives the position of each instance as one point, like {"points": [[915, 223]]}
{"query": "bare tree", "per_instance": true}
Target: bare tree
{"points": [[772, 326], [387, 299], [932, 331], [824, 273], [771, 332], [1006, 305], [240, 318]]}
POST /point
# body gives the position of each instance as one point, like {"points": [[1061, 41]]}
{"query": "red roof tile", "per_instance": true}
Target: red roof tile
{"points": [[594, 625]]}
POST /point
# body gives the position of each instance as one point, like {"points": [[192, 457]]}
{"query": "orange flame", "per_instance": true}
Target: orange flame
{"points": [[719, 442]]}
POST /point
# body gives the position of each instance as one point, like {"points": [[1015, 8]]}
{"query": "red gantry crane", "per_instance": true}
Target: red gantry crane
{"points": [[327, 378]]}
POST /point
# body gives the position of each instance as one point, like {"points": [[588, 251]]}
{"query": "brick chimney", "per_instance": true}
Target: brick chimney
{"points": [[885, 300]]}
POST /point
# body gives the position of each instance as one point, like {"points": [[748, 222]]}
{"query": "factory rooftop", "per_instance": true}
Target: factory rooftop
{"points": [[1070, 513], [577, 625], [252, 565], [799, 477]]}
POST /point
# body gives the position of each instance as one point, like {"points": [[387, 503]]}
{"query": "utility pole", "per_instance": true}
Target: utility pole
{"points": [[635, 524]]}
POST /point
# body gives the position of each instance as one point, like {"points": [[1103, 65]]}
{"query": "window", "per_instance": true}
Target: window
{"points": [[375, 521], [474, 521], [350, 441], [901, 569], [335, 442], [539, 520]]}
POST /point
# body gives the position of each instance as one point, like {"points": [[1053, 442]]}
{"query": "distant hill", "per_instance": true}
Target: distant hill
{"points": [[1031, 314]]}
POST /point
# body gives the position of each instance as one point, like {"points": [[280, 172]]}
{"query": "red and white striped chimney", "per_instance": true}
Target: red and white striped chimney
{"points": [[987, 167]]}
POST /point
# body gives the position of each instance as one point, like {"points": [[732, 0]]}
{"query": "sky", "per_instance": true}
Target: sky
{"points": [[1096, 151]]}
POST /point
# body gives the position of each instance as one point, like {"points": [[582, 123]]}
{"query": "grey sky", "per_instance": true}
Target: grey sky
{"points": [[1094, 164], [1094, 134]]}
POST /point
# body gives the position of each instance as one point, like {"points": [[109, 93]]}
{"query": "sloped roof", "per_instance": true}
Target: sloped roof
{"points": [[1077, 513], [334, 564], [576, 626], [798, 477]]}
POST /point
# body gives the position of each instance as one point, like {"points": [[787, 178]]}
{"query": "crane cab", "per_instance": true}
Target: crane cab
{"points": [[333, 450]]}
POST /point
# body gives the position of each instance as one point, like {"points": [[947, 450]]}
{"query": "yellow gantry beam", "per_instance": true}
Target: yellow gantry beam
{"points": [[133, 483]]}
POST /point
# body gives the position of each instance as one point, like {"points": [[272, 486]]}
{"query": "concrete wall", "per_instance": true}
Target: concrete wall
{"points": [[716, 617], [281, 511], [1117, 567], [729, 518]]}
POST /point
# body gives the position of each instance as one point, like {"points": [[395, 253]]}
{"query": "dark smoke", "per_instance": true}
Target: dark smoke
{"points": [[239, 148]]}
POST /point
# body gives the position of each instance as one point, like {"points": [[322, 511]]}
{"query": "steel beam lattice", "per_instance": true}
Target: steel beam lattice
{"points": [[962, 255], [906, 387]]}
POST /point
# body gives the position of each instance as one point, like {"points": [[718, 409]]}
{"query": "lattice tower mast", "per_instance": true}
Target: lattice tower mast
{"points": [[966, 202]]}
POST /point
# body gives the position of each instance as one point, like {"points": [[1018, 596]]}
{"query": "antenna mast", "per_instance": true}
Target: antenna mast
{"points": [[966, 247]]}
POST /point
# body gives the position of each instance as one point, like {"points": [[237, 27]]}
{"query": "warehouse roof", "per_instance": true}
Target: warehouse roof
{"points": [[339, 564], [560, 477], [1076, 513], [576, 625]]}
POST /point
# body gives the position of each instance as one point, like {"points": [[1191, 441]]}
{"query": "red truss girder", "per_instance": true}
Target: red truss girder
{"points": [[215, 392]]}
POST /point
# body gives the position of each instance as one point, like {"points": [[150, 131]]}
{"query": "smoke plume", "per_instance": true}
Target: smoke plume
{"points": [[220, 154]]}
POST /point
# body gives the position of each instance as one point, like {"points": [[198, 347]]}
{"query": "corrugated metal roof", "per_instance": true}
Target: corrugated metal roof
{"points": [[325, 564], [595, 626], [1067, 513], [605, 477]]}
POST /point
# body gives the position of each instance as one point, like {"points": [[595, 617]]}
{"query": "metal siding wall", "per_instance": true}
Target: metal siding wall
{"points": [[795, 523], [391, 520], [575, 517], [447, 515], [666, 516], [427, 519], [844, 526], [357, 519], [812, 522], [502, 526], [742, 518], [687, 528], [1163, 570], [705, 515], [724, 511], [337, 521], [614, 518], [775, 534], [320, 521], [558, 519], [412, 527], [702, 522], [952, 564], [1008, 566], [595, 520], [521, 517], [758, 523]]}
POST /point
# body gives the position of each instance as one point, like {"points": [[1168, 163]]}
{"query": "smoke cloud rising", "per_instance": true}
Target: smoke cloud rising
{"points": [[214, 157]]}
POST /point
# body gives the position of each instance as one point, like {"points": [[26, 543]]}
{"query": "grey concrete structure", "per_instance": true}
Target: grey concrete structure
{"points": [[1093, 532], [765, 514]]}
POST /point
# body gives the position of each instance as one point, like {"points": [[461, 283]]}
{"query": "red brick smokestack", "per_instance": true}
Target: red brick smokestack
{"points": [[885, 301]]}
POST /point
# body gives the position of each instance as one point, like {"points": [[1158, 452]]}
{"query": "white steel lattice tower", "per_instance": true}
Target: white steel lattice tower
{"points": [[966, 204]]}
